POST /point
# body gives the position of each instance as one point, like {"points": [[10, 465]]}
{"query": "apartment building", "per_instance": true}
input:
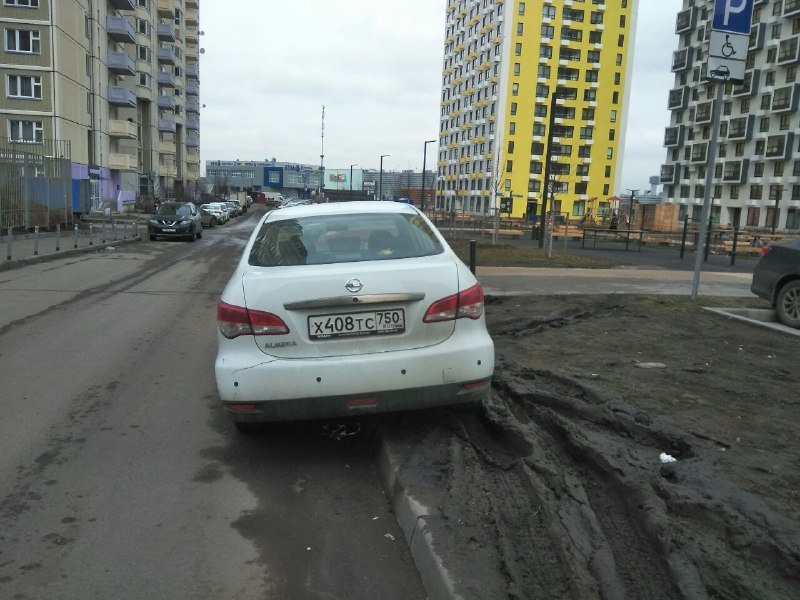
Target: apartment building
{"points": [[756, 175], [503, 62], [118, 80]]}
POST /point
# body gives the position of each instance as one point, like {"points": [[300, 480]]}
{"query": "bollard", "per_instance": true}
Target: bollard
{"points": [[75, 236], [91, 235], [735, 242], [683, 239], [36, 240], [708, 240], [9, 239], [103, 231], [114, 230], [58, 237], [473, 252]]}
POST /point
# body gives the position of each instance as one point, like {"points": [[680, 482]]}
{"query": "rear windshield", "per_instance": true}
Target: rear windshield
{"points": [[181, 210], [326, 239]]}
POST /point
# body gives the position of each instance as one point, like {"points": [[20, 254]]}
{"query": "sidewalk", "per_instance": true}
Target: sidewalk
{"points": [[25, 248]]}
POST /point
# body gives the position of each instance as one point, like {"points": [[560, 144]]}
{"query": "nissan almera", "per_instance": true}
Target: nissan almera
{"points": [[345, 309]]}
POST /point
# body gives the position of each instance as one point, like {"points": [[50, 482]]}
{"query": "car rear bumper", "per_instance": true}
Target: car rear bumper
{"points": [[453, 372]]}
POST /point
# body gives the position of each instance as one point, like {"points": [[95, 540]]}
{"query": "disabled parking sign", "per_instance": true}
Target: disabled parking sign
{"points": [[729, 40]]}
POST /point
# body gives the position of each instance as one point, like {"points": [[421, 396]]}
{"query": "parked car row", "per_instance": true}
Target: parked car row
{"points": [[185, 220]]}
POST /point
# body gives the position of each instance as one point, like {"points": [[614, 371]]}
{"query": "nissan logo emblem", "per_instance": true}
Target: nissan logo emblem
{"points": [[353, 285]]}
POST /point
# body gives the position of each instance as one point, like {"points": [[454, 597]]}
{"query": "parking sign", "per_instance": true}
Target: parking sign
{"points": [[729, 40], [733, 16]]}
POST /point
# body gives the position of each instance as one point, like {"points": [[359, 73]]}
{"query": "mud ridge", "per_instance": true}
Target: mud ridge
{"points": [[636, 528]]}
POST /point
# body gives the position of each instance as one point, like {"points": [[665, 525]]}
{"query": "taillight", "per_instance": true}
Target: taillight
{"points": [[764, 249], [234, 321], [464, 305]]}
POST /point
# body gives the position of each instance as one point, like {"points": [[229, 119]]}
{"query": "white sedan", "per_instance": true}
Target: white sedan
{"points": [[349, 308]]}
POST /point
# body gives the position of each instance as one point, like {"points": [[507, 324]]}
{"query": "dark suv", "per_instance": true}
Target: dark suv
{"points": [[176, 219]]}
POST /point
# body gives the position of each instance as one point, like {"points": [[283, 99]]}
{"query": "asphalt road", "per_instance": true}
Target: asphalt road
{"points": [[119, 476]]}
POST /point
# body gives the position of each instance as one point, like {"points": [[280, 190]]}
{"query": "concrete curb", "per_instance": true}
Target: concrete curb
{"points": [[18, 263], [417, 525]]}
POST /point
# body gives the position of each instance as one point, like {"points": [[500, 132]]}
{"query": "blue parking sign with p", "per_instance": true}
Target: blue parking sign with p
{"points": [[733, 15]]}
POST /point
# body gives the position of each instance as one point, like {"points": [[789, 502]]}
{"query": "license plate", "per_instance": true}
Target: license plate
{"points": [[378, 322], [165, 230]]}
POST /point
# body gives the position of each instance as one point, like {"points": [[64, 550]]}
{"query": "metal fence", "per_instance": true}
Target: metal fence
{"points": [[35, 184]]}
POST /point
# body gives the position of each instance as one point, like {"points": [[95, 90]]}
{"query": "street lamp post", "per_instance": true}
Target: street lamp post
{"points": [[424, 157], [351, 179], [547, 165], [380, 178]]}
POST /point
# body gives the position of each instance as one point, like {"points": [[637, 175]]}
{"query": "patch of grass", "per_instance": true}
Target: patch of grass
{"points": [[529, 255]]}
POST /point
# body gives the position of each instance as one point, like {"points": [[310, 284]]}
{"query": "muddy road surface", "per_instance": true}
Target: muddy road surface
{"points": [[633, 448]]}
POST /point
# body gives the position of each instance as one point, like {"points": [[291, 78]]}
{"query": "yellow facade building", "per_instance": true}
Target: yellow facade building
{"points": [[503, 62]]}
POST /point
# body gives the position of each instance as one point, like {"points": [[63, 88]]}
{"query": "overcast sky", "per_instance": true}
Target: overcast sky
{"points": [[269, 67]]}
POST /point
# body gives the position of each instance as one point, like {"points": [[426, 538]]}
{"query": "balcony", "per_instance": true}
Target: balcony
{"points": [[780, 146], [758, 33], [165, 32], [193, 106], [192, 141], [193, 70], [741, 128], [122, 4], [166, 80], [192, 35], [166, 56], [670, 173], [192, 88], [120, 63], [193, 124], [749, 86], [165, 102], [699, 153], [682, 59], [122, 129], [190, 52], [121, 96], [703, 113], [788, 52], [168, 169], [119, 30], [192, 3], [167, 148], [166, 8], [735, 171], [673, 136], [791, 8], [192, 16], [678, 98], [785, 99], [122, 162], [686, 21], [167, 125]]}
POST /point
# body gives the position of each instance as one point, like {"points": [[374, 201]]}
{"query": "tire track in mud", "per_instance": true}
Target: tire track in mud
{"points": [[583, 508]]}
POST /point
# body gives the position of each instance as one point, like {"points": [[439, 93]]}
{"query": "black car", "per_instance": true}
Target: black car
{"points": [[776, 278], [176, 220]]}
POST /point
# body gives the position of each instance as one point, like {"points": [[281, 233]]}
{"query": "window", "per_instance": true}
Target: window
{"points": [[143, 4], [26, 131], [549, 12], [513, 108], [25, 3], [596, 37], [521, 8], [548, 31], [24, 86], [512, 127], [609, 153], [518, 49], [144, 53], [545, 51], [591, 75], [586, 133], [515, 89], [520, 29], [143, 27], [23, 40], [516, 69], [143, 79]]}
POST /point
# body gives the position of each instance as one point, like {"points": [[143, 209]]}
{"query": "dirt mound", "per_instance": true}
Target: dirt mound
{"points": [[632, 448]]}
